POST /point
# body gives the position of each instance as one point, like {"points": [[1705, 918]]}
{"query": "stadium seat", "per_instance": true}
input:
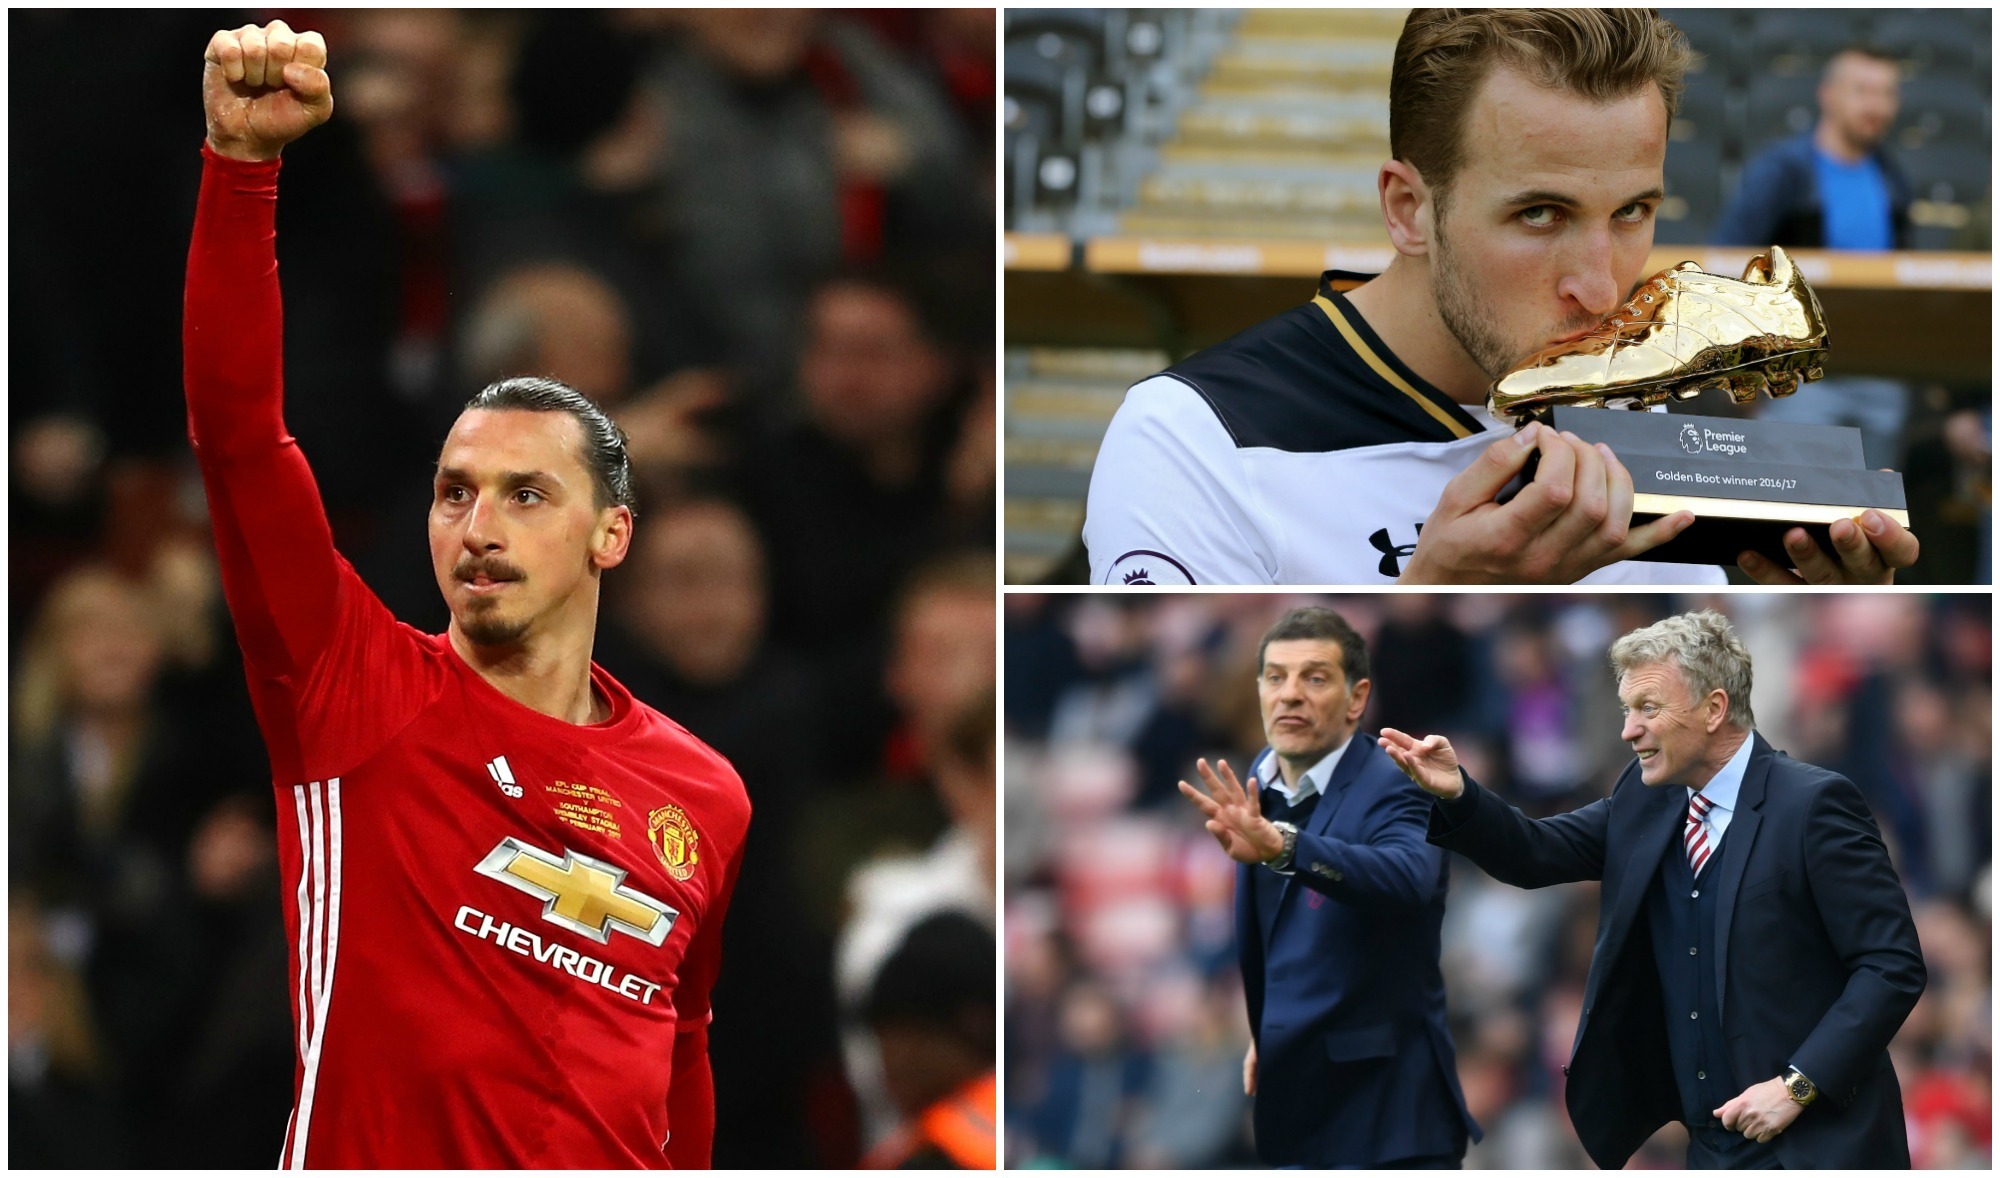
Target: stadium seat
{"points": [[1694, 192], [1716, 34], [1074, 37], [1039, 94], [1944, 110], [1937, 40], [1950, 186], [1958, 175], [1704, 109], [1799, 41]]}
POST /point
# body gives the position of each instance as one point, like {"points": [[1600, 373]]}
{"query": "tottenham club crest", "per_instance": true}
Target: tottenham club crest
{"points": [[673, 838]]}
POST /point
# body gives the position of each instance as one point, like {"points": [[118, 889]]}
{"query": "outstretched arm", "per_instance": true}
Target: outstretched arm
{"points": [[1391, 864], [1505, 843], [261, 88]]}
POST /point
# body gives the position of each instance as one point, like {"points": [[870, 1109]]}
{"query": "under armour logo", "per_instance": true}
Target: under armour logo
{"points": [[1392, 554]]}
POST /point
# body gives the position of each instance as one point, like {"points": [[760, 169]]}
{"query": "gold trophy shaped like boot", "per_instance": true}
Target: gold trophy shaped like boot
{"points": [[1684, 330]]}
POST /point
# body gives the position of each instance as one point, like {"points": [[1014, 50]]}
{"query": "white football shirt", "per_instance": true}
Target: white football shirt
{"points": [[1300, 451]]}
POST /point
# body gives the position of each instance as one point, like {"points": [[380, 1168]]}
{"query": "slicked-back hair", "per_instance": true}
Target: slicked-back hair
{"points": [[1320, 624], [603, 442], [1602, 54], [1704, 647]]}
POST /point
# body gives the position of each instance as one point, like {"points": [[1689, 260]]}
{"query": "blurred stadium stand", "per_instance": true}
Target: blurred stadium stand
{"points": [[1125, 1024], [1059, 400], [763, 239], [1251, 135]]}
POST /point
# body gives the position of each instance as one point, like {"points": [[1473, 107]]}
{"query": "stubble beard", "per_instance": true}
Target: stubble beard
{"points": [[1467, 321]]}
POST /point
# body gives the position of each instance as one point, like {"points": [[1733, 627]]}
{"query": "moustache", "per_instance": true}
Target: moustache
{"points": [[491, 567]]}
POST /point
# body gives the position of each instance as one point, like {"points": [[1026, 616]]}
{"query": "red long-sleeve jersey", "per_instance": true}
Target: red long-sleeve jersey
{"points": [[504, 927]]}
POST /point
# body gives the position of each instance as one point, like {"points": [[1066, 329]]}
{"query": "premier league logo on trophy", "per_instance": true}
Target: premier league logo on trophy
{"points": [[1747, 482]]}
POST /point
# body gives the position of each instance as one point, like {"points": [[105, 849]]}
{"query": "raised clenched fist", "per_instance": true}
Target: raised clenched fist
{"points": [[263, 88]]}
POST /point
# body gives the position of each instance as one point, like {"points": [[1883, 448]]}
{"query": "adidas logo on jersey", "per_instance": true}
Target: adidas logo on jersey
{"points": [[503, 776]]}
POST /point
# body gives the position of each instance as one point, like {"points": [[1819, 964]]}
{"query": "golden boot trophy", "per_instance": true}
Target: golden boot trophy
{"points": [[1747, 481]]}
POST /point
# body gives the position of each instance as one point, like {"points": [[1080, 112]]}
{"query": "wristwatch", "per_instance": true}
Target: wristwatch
{"points": [[1282, 861], [1802, 1091]]}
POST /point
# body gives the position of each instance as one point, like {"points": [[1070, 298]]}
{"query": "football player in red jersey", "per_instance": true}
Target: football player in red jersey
{"points": [[505, 878]]}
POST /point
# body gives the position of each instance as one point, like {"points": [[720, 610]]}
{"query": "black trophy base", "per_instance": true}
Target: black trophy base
{"points": [[1747, 481], [1714, 539]]}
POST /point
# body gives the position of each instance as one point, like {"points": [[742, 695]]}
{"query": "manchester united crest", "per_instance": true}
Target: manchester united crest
{"points": [[673, 838]]}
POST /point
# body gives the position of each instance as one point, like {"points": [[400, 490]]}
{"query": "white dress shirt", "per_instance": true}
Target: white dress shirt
{"points": [[1312, 781], [1721, 791]]}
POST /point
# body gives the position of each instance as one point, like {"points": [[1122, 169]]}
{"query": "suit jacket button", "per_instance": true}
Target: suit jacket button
{"points": [[1337, 877]]}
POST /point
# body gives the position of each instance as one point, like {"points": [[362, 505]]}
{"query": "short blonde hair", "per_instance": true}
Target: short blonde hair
{"points": [[1602, 54], [1705, 648]]}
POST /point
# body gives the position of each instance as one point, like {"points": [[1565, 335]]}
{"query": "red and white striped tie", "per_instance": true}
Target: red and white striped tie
{"points": [[1697, 833]]}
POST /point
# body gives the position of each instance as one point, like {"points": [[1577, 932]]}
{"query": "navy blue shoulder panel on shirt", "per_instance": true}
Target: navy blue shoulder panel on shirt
{"points": [[1295, 382]]}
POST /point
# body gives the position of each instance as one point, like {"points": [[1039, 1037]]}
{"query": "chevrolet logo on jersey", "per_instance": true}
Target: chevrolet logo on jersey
{"points": [[583, 894]]}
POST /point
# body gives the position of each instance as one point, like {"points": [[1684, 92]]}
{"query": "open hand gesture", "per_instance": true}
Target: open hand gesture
{"points": [[263, 88], [1235, 815], [1429, 762]]}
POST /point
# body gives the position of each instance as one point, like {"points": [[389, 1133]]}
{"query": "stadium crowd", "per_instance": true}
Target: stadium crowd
{"points": [[1125, 1025], [763, 240]]}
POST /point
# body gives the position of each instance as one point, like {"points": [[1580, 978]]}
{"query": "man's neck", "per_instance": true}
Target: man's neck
{"points": [[1727, 742], [1402, 311], [1839, 147], [549, 675], [1292, 770]]}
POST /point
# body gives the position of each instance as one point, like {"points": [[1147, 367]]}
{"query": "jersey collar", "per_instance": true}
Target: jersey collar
{"points": [[1396, 377]]}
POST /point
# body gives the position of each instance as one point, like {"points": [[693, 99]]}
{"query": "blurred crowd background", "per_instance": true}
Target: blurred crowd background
{"points": [[763, 239], [1213, 128], [1124, 1016]]}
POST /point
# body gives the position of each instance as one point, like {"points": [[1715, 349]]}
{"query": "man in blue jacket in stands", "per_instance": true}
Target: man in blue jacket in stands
{"points": [[1834, 187], [1339, 903]]}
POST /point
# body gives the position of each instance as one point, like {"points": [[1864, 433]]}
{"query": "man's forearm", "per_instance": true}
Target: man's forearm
{"points": [[1517, 850], [691, 1102], [232, 327], [275, 548]]}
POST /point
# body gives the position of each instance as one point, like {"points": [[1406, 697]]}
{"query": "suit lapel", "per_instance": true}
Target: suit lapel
{"points": [[1736, 856]]}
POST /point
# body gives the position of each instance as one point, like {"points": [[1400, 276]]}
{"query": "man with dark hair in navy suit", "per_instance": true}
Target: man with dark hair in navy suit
{"points": [[1339, 902], [1755, 952]]}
